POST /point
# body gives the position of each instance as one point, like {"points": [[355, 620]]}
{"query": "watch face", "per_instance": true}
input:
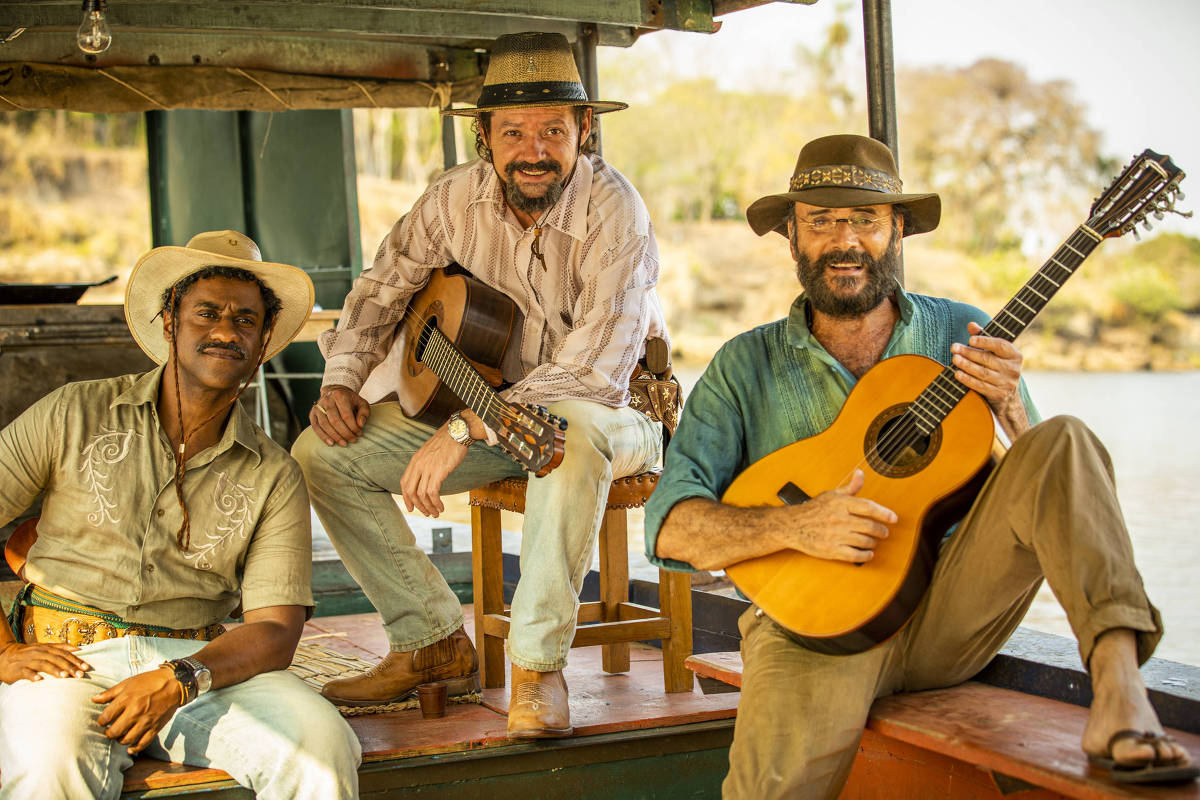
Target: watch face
{"points": [[459, 431], [203, 680]]}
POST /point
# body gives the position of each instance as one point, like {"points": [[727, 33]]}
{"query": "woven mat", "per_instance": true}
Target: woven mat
{"points": [[317, 665]]}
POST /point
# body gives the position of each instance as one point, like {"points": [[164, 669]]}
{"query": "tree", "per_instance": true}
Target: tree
{"points": [[1013, 159]]}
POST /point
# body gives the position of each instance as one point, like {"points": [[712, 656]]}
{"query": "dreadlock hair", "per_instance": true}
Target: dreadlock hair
{"points": [[173, 295], [483, 121]]}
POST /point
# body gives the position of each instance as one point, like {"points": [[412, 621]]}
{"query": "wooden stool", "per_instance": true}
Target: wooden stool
{"points": [[614, 621]]}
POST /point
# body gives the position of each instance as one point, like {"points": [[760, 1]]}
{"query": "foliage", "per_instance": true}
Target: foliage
{"points": [[1013, 159]]}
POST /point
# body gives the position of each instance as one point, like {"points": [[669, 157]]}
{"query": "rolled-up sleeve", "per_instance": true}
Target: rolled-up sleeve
{"points": [[277, 570], [27, 448]]}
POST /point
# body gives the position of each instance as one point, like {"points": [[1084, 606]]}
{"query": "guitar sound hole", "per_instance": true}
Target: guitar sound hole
{"points": [[896, 448]]}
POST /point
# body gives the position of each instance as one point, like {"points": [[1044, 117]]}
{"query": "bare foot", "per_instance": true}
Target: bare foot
{"points": [[1120, 703]]}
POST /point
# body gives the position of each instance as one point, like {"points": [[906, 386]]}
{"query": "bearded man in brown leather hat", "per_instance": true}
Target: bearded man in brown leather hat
{"points": [[543, 219], [1049, 509]]}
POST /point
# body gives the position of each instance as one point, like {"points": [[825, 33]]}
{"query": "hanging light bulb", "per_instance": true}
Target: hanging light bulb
{"points": [[93, 35]]}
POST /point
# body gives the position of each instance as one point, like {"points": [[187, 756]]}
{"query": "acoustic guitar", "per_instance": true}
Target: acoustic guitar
{"points": [[924, 442], [454, 335]]}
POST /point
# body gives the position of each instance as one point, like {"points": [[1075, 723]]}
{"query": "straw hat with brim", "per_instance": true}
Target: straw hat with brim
{"points": [[532, 70], [163, 267], [844, 171]]}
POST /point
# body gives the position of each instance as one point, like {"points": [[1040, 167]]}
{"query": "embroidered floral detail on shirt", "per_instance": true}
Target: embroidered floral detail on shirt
{"points": [[233, 501], [102, 451]]}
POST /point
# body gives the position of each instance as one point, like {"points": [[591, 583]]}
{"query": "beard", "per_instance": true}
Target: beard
{"points": [[822, 287], [532, 204]]}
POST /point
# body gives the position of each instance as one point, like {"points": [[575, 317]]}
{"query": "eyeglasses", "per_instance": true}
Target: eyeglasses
{"points": [[859, 223]]}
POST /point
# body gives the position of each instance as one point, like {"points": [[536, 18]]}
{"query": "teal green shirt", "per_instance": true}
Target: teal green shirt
{"points": [[775, 385]]}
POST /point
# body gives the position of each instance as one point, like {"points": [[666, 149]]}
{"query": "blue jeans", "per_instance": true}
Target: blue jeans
{"points": [[351, 490], [272, 733]]}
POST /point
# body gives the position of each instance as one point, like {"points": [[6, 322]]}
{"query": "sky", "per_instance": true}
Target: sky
{"points": [[1135, 65]]}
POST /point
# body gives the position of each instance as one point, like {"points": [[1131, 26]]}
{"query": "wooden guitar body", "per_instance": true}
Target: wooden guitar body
{"points": [[477, 319], [835, 606]]}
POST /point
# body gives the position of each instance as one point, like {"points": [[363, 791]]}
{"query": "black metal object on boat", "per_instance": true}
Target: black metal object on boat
{"points": [[40, 294]]}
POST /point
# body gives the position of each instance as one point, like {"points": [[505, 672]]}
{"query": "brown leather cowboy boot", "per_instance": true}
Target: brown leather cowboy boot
{"points": [[451, 661], [538, 707]]}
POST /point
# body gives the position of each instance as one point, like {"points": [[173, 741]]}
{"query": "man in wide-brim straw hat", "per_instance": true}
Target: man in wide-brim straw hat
{"points": [[543, 219], [1048, 510], [165, 509]]}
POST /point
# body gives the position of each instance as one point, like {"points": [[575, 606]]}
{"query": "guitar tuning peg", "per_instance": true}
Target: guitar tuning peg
{"points": [[562, 424], [1158, 214], [1134, 231], [1179, 195]]}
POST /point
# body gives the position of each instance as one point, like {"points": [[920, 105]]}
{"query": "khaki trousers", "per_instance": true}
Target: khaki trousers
{"points": [[1049, 510]]}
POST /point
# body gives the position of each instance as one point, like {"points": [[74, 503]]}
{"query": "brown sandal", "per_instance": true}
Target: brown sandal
{"points": [[1157, 770]]}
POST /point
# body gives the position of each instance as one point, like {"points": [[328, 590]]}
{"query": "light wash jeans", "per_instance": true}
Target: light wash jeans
{"points": [[272, 733], [351, 490]]}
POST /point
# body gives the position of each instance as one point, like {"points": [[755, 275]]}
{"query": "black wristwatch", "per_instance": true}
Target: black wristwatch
{"points": [[193, 676]]}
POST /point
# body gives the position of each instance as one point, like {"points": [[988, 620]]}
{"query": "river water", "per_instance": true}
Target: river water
{"points": [[1148, 422]]}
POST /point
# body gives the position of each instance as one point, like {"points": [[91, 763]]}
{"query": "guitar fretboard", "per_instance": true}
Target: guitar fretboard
{"points": [[440, 355], [944, 393]]}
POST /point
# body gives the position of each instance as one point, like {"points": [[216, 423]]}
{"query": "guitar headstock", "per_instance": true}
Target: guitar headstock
{"points": [[532, 436], [1149, 186]]}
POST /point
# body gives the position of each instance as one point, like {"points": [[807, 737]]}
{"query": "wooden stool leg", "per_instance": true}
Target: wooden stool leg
{"points": [[614, 583], [675, 600], [487, 577]]}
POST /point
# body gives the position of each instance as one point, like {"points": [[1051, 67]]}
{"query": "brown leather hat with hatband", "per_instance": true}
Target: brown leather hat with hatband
{"points": [[844, 171], [532, 70]]}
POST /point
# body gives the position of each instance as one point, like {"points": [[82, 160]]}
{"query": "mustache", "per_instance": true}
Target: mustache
{"points": [[546, 164], [845, 257], [230, 346]]}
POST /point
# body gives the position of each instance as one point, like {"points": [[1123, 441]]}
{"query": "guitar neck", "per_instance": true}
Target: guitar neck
{"points": [[1020, 311], [941, 396], [460, 376]]}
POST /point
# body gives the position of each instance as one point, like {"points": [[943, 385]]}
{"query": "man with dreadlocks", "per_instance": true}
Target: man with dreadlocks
{"points": [[164, 510], [547, 222]]}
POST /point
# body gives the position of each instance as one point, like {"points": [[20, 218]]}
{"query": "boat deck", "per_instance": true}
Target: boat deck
{"points": [[620, 720]]}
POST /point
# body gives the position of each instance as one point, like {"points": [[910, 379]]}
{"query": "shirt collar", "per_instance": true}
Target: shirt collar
{"points": [[799, 335], [240, 428], [569, 214]]}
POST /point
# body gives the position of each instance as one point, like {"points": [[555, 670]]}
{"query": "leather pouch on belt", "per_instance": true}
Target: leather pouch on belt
{"points": [[657, 398]]}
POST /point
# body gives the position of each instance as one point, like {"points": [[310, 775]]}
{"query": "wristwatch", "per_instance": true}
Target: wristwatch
{"points": [[201, 673], [194, 678], [458, 429]]}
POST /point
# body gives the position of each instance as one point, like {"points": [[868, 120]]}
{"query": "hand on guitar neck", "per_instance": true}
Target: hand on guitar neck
{"points": [[992, 367], [339, 415]]}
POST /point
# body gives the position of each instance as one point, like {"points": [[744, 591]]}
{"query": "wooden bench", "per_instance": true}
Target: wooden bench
{"points": [[972, 741]]}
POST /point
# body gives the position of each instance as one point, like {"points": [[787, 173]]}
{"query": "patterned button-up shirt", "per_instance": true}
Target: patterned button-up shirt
{"points": [[107, 534], [775, 385], [587, 311]]}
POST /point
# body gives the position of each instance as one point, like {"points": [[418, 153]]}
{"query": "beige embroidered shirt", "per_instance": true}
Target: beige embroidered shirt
{"points": [[107, 535], [587, 312]]}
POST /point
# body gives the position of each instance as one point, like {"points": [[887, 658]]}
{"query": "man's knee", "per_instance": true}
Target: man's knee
{"points": [[1061, 436], [52, 749]]}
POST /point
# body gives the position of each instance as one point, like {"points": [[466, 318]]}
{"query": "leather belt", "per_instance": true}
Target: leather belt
{"points": [[47, 618]]}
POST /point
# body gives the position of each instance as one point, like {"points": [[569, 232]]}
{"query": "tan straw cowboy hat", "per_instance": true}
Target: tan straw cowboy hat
{"points": [[532, 70], [163, 267], [844, 171]]}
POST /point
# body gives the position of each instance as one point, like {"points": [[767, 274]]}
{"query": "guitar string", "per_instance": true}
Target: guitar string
{"points": [[415, 326], [906, 432]]}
